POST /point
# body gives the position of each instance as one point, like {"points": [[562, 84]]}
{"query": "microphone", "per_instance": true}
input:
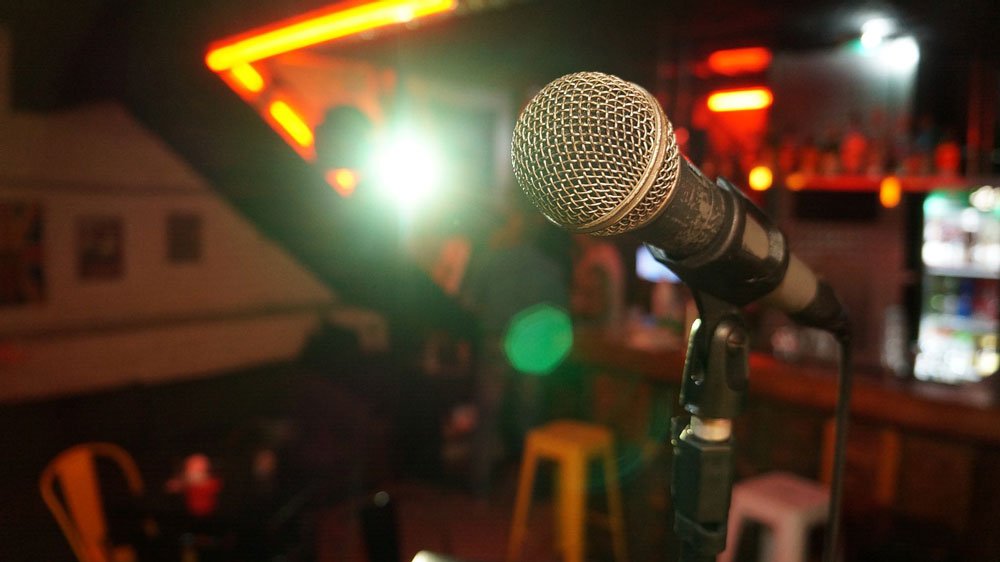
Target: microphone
{"points": [[596, 154]]}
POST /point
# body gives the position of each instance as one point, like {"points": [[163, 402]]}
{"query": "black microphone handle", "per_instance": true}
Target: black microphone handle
{"points": [[826, 312], [718, 241]]}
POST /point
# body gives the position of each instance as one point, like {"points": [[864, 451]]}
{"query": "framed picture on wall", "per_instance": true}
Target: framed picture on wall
{"points": [[100, 247], [22, 269], [183, 237]]}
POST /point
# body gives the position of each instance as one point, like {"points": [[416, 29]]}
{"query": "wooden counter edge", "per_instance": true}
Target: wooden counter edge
{"points": [[967, 413]]}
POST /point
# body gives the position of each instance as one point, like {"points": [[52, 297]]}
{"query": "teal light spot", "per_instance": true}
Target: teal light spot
{"points": [[538, 339], [855, 46], [939, 203]]}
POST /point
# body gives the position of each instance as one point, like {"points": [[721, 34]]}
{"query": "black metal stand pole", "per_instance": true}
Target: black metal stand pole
{"points": [[712, 393]]}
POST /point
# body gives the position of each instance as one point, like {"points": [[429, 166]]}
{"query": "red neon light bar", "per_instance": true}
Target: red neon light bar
{"points": [[731, 62]]}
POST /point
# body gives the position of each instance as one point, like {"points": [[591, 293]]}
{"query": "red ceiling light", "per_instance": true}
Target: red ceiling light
{"points": [[747, 60], [319, 26], [740, 100]]}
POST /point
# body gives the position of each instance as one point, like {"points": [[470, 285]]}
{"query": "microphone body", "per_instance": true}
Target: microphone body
{"points": [[596, 154], [747, 257]]}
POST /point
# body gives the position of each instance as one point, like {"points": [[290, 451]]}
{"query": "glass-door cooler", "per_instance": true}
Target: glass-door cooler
{"points": [[957, 339]]}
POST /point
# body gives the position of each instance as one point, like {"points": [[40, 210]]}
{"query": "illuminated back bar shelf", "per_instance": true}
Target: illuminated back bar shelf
{"points": [[862, 183]]}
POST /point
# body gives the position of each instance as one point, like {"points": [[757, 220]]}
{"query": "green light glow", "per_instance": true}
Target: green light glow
{"points": [[538, 339], [939, 203]]}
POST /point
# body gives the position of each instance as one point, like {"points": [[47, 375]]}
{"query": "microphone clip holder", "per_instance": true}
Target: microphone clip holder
{"points": [[713, 393]]}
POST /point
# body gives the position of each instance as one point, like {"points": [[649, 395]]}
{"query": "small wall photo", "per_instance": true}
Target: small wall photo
{"points": [[100, 247], [22, 267]]}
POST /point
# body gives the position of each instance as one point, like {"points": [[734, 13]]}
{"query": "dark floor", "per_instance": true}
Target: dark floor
{"points": [[234, 414], [447, 520], [440, 520]]}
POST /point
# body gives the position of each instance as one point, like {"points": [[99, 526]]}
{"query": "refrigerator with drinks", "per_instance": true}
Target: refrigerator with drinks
{"points": [[960, 253]]}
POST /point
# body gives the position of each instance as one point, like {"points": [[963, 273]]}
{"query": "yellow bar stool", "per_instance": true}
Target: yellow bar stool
{"points": [[572, 445]]}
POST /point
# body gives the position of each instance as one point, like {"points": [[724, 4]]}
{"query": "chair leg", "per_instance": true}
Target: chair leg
{"points": [[559, 508], [525, 486], [616, 513], [789, 542], [573, 492], [733, 530]]}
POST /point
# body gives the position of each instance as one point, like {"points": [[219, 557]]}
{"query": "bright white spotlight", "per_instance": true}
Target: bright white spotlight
{"points": [[408, 168], [901, 54], [874, 31]]}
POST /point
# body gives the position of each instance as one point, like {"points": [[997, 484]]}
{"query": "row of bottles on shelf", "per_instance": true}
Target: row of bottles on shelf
{"points": [[958, 329], [951, 355], [962, 297]]}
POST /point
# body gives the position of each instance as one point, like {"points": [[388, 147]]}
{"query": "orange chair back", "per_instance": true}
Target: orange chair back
{"points": [[77, 504]]}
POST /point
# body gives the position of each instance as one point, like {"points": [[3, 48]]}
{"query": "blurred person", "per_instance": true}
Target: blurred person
{"points": [[450, 265], [441, 243], [523, 263], [598, 297]]}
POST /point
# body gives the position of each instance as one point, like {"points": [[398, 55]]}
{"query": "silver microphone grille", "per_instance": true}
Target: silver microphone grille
{"points": [[595, 154]]}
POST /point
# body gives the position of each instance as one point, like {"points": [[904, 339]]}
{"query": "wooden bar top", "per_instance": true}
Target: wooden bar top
{"points": [[968, 412]]}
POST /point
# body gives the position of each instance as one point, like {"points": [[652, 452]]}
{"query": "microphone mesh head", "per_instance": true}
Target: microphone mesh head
{"points": [[595, 154]]}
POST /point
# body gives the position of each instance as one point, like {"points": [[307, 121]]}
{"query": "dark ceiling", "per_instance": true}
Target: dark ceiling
{"points": [[69, 51]]}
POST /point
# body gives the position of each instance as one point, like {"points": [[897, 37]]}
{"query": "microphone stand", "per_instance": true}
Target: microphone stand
{"points": [[713, 393]]}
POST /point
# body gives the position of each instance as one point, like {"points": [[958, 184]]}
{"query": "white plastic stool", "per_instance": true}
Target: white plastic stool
{"points": [[789, 506]]}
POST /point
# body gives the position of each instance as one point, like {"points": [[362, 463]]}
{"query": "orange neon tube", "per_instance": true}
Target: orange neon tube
{"points": [[740, 100], [292, 123], [319, 27], [248, 77]]}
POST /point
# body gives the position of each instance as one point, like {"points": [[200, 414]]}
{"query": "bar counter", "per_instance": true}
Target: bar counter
{"points": [[968, 412], [925, 456]]}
